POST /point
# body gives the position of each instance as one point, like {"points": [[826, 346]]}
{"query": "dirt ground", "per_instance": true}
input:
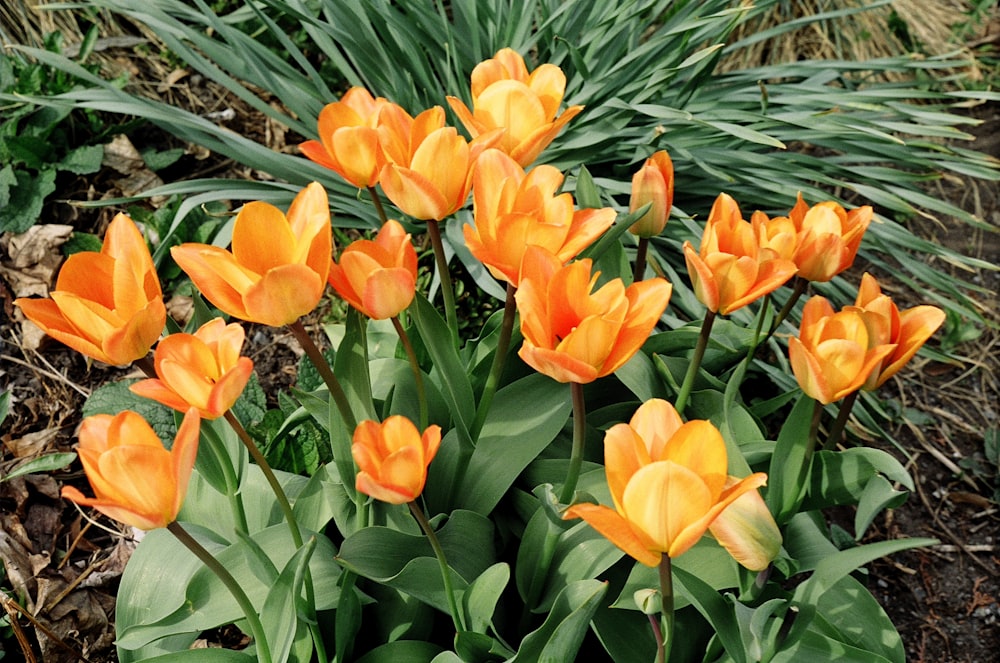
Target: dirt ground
{"points": [[945, 600]]}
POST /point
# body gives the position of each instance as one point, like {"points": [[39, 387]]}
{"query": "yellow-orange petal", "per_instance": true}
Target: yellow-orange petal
{"points": [[616, 530], [413, 193], [656, 421], [283, 295], [388, 292], [698, 446], [662, 500], [694, 531], [557, 365], [228, 388], [747, 531], [625, 451]]}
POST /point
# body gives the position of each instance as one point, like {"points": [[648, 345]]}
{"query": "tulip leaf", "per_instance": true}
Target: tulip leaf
{"points": [[561, 634], [640, 376], [878, 495], [207, 655], [525, 417], [279, 615], [351, 366], [624, 637], [790, 462], [714, 608], [401, 651], [480, 600], [581, 553], [449, 372], [166, 591]]}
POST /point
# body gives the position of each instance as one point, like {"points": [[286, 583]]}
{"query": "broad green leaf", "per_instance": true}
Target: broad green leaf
{"points": [[714, 608], [561, 634], [480, 600], [351, 367], [402, 651], [624, 637], [279, 615], [115, 397], [525, 417], [208, 655], [786, 477]]}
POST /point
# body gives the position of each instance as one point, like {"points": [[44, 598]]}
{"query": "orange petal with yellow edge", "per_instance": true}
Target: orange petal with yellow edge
{"points": [[615, 529]]}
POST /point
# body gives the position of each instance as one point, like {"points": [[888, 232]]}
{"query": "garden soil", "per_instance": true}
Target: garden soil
{"points": [[62, 569]]}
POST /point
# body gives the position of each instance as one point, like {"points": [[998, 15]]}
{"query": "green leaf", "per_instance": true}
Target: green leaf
{"points": [[115, 397], [209, 655], [561, 634], [45, 463], [790, 462], [351, 367], [715, 609], [24, 197], [449, 373], [166, 591], [482, 596], [83, 160], [279, 615], [624, 637], [525, 417], [402, 651]]}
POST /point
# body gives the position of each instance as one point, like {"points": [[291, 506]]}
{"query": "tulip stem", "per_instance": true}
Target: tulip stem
{"points": [[293, 524], [447, 292], [418, 377], [692, 371], [798, 290], [253, 619], [499, 360], [456, 615], [667, 610], [332, 383], [837, 430], [639, 270], [378, 204], [579, 439]]}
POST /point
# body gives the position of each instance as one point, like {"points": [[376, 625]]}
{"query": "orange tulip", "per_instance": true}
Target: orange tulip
{"points": [[730, 271], [822, 240], [505, 96], [106, 305], [834, 353], [392, 458], [278, 266], [669, 484], [573, 334], [135, 480], [654, 184], [203, 370], [514, 210], [428, 172], [908, 330], [379, 278], [348, 138]]}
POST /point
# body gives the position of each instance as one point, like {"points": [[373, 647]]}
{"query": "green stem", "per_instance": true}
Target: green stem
{"points": [[579, 439], [253, 619], [378, 204], [639, 270], [418, 377], [667, 596], [499, 360], [332, 383], [219, 450], [837, 431], [286, 509], [447, 292], [817, 416], [456, 615], [798, 290], [692, 371]]}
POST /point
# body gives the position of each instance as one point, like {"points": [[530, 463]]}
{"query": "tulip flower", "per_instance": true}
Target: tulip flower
{"points": [[203, 370], [821, 240], [348, 138], [908, 330], [428, 171], [278, 266], [505, 96], [392, 458], [669, 484], [378, 277], [135, 479], [514, 210], [574, 334], [834, 353], [107, 305], [729, 270], [653, 184]]}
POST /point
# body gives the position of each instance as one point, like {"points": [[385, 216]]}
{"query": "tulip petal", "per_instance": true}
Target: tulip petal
{"points": [[283, 295], [413, 193], [616, 529], [662, 500], [625, 452], [690, 535], [388, 292], [262, 238], [698, 446], [747, 531]]}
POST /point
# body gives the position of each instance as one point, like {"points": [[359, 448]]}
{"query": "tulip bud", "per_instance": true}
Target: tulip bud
{"points": [[653, 184]]}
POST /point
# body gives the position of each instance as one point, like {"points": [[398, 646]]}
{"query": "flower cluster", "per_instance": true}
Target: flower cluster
{"points": [[671, 480]]}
